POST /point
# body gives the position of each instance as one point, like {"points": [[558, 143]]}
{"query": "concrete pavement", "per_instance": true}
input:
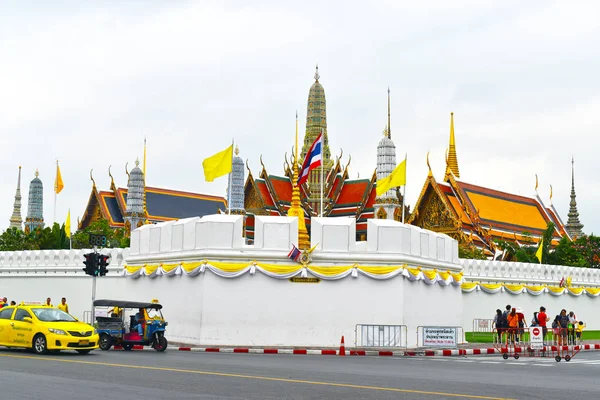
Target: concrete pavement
{"points": [[179, 375]]}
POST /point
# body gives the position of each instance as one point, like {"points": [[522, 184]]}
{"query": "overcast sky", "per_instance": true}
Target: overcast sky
{"points": [[85, 82]]}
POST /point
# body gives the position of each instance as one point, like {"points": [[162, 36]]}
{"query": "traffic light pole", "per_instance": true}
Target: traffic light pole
{"points": [[93, 317]]}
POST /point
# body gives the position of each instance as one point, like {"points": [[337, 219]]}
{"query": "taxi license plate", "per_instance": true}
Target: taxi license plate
{"points": [[84, 342]]}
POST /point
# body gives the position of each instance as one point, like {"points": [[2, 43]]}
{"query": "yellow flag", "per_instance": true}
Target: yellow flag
{"points": [[218, 165], [396, 178], [58, 182], [68, 225], [538, 253]]}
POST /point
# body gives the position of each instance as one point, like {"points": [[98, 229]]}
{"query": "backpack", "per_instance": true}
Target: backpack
{"points": [[502, 322], [535, 321]]}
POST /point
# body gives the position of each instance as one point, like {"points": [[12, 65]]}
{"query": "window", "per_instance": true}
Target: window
{"points": [[6, 313], [21, 313]]}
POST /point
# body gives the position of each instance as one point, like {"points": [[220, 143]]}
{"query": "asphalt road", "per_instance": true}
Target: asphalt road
{"points": [[145, 375]]}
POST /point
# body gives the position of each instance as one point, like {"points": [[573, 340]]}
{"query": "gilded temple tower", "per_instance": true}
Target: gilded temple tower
{"points": [[15, 220], [388, 205], [452, 159], [573, 226], [35, 206], [316, 123]]}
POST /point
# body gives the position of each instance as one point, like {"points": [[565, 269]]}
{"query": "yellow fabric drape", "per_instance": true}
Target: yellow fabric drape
{"points": [[430, 274], [593, 291], [468, 285], [491, 286], [375, 270], [279, 269], [556, 289], [330, 271]]}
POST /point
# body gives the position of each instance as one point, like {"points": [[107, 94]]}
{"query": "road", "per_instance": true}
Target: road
{"points": [[146, 375]]}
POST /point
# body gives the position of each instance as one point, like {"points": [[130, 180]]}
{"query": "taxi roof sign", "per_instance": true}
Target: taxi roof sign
{"points": [[154, 301], [31, 303]]}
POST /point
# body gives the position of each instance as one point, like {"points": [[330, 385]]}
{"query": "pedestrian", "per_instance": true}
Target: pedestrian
{"points": [[562, 321], [48, 302], [12, 303], [4, 302], [543, 321], [513, 324], [63, 306], [499, 324], [522, 323], [535, 321], [579, 328], [572, 324]]}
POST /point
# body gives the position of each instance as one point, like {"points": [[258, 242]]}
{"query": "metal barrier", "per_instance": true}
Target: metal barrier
{"points": [[440, 336], [482, 326], [380, 335]]}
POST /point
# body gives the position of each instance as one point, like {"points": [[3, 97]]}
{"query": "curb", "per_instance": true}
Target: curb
{"points": [[382, 353]]}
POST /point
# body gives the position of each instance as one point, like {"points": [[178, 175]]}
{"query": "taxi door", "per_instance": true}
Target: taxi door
{"points": [[5, 321], [21, 333]]}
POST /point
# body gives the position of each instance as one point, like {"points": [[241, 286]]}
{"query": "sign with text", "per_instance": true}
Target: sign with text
{"points": [[439, 336], [299, 279], [97, 240], [536, 337]]}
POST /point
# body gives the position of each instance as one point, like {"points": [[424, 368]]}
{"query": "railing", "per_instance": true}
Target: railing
{"points": [[87, 317], [368, 335], [482, 326], [439, 336]]}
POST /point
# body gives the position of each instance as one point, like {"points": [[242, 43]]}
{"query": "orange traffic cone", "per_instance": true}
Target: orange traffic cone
{"points": [[342, 348]]}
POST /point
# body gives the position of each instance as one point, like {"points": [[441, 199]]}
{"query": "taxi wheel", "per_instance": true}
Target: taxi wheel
{"points": [[39, 344], [83, 351], [105, 342]]}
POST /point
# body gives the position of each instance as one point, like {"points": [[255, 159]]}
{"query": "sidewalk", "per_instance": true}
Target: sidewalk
{"points": [[463, 349]]}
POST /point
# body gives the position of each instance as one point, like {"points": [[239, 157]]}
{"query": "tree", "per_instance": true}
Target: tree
{"points": [[525, 252], [470, 252], [14, 239]]}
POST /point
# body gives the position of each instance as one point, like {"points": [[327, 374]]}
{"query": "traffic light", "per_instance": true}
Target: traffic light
{"points": [[91, 264], [102, 264]]}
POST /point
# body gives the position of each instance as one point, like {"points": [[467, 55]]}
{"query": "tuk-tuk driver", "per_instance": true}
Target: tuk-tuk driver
{"points": [[139, 318]]}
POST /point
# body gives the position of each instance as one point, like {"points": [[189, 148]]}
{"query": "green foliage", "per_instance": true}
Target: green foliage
{"points": [[55, 238], [471, 252], [40, 239]]}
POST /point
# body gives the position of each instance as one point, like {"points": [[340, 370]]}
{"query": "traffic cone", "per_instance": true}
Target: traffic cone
{"points": [[342, 351]]}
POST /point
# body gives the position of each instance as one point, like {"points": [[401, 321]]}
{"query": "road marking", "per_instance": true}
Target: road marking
{"points": [[515, 363], [257, 377], [542, 365], [491, 362]]}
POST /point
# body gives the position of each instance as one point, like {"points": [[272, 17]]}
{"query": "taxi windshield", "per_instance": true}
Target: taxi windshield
{"points": [[154, 313], [52, 315]]}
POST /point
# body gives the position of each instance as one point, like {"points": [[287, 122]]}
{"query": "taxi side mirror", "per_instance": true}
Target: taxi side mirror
{"points": [[27, 319]]}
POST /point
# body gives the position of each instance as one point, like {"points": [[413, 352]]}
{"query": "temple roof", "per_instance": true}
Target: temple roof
{"points": [[162, 205]]}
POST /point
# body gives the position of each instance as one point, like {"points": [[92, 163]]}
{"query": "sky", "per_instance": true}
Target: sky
{"points": [[85, 82]]}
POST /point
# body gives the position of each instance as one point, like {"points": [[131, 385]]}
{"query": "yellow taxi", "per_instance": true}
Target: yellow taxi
{"points": [[45, 328]]}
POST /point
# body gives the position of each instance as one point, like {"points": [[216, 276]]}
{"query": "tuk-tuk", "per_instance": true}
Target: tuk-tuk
{"points": [[123, 327]]}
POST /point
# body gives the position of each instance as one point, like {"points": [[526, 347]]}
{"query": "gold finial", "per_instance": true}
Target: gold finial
{"points": [[429, 165], [37, 173], [317, 76], [237, 150], [536, 182], [137, 162], [112, 180], [126, 171], [92, 178], [550, 194]]}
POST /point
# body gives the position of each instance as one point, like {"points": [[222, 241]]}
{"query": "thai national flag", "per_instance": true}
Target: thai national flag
{"points": [[295, 253], [312, 160]]}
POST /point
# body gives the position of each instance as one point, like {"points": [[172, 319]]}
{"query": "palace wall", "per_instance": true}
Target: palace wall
{"points": [[216, 290]]}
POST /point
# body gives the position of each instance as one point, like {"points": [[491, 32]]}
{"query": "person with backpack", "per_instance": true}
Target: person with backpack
{"points": [[535, 321], [499, 324]]}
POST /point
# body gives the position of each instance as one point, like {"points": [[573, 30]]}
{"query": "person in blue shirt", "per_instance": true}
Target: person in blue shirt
{"points": [[139, 318]]}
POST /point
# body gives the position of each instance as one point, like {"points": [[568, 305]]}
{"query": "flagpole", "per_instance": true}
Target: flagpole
{"points": [[404, 191], [322, 168], [70, 235], [230, 182], [55, 188]]}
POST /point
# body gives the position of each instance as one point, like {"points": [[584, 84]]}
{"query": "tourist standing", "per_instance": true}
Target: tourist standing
{"points": [[543, 320]]}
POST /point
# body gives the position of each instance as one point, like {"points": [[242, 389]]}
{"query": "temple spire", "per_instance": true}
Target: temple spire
{"points": [[296, 210], [574, 226], [15, 220], [452, 161], [389, 125]]}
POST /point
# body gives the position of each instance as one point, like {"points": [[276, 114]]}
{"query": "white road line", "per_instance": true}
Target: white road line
{"points": [[491, 362], [517, 363], [542, 365], [465, 361]]}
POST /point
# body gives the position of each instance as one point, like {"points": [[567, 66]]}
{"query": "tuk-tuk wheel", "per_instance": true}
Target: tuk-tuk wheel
{"points": [[105, 341], [161, 345], [505, 356], [567, 358]]}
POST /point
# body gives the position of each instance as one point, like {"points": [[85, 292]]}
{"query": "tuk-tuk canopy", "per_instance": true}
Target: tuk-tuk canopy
{"points": [[126, 304]]}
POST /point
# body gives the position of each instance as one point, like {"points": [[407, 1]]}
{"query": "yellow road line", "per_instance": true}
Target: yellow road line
{"points": [[263, 378]]}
